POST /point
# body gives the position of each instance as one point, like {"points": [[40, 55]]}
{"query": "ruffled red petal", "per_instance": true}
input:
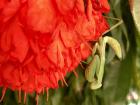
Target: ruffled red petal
{"points": [[42, 40]]}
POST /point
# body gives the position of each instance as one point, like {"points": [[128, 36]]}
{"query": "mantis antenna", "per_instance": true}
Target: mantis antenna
{"points": [[120, 21]]}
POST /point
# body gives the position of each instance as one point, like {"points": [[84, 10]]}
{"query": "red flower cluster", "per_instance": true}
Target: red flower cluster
{"points": [[42, 40]]}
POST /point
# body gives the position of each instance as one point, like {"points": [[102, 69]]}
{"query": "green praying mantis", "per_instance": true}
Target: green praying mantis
{"points": [[95, 70]]}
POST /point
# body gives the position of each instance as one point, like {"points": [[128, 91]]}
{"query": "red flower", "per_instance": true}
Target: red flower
{"points": [[42, 40]]}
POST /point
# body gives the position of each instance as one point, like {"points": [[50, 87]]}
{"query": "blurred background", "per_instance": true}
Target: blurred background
{"points": [[121, 83]]}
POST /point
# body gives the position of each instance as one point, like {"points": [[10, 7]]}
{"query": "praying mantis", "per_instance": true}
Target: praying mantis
{"points": [[95, 70]]}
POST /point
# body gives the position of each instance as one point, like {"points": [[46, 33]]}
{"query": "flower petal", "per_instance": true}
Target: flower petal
{"points": [[41, 15], [20, 43]]}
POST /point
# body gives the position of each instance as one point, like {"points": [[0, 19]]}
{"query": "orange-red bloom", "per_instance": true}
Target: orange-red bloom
{"points": [[42, 40]]}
